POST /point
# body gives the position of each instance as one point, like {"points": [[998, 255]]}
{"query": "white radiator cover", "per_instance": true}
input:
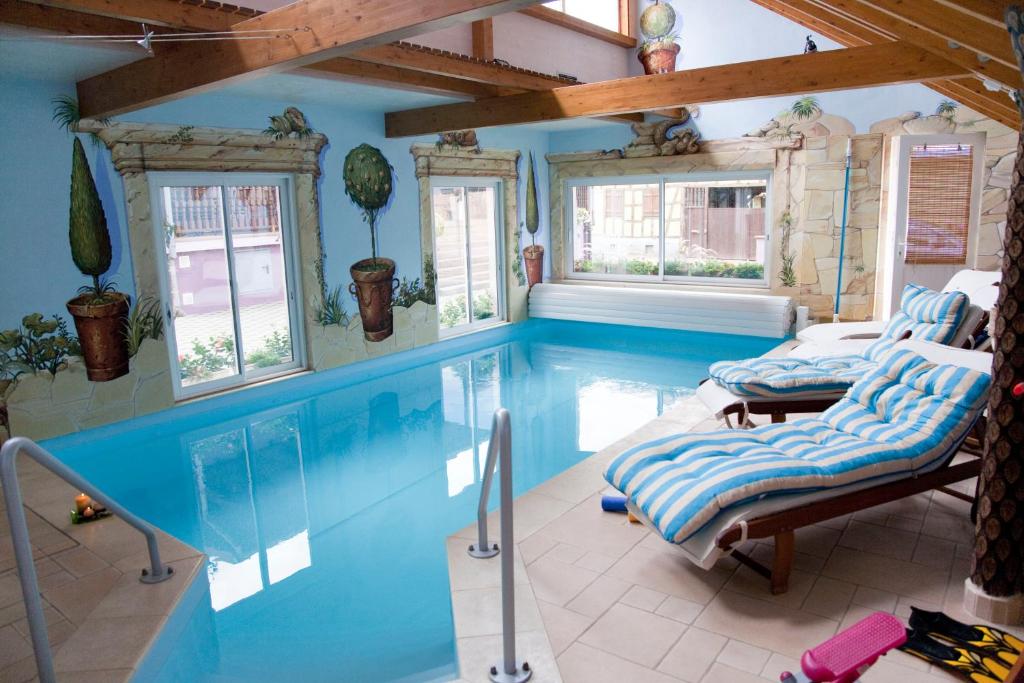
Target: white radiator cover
{"points": [[724, 312]]}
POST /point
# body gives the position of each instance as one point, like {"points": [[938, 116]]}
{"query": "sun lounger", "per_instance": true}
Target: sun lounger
{"points": [[777, 386], [894, 434], [981, 286]]}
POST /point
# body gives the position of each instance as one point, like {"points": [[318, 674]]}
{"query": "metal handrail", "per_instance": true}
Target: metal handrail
{"points": [[509, 670], [23, 549]]}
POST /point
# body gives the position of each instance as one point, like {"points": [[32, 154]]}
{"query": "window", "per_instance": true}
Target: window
{"points": [[603, 13], [467, 253], [939, 203], [228, 278], [696, 227]]}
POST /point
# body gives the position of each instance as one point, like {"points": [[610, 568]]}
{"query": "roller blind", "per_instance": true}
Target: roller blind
{"points": [[939, 204]]}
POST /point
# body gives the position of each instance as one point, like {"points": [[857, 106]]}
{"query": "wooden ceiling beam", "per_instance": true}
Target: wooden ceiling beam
{"points": [[989, 11], [385, 75], [208, 17], [971, 34], [851, 68], [483, 39], [315, 30], [910, 32], [840, 28]]}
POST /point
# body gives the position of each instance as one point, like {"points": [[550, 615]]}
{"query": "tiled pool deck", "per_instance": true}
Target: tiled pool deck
{"points": [[598, 599], [602, 600]]}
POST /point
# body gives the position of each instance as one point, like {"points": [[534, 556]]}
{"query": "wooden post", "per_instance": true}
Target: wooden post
{"points": [[785, 544]]}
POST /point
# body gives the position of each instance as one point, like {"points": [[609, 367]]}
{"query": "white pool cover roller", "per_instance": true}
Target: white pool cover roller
{"points": [[723, 312]]}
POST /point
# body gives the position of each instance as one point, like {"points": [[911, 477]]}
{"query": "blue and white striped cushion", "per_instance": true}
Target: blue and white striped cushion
{"points": [[926, 314], [789, 377], [905, 415]]}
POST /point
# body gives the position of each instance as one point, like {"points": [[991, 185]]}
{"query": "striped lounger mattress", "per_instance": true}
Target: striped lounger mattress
{"points": [[906, 416]]}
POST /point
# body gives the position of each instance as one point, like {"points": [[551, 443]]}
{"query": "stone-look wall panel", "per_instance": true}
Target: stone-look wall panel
{"points": [[334, 345], [41, 406]]}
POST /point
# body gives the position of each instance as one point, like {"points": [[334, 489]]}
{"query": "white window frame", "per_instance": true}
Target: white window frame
{"points": [[661, 180], [290, 244], [898, 210], [500, 314]]}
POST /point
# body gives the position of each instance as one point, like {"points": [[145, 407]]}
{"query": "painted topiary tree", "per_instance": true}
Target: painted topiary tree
{"points": [[534, 254], [99, 311], [369, 183], [88, 234]]}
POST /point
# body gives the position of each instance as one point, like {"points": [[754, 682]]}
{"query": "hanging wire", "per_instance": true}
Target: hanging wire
{"points": [[245, 34]]}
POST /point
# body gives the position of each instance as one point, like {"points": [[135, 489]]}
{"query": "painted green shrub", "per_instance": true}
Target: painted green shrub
{"points": [[369, 181], [90, 240], [38, 345], [532, 209]]}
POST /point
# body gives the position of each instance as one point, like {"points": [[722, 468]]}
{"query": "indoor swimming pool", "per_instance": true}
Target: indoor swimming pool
{"points": [[323, 502]]}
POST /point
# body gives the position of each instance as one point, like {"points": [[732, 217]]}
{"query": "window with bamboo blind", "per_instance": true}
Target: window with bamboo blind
{"points": [[939, 203]]}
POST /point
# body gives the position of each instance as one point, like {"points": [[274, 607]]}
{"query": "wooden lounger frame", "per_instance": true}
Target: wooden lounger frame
{"points": [[782, 525]]}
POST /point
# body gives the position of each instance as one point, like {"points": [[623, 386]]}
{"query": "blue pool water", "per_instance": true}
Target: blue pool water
{"points": [[323, 502]]}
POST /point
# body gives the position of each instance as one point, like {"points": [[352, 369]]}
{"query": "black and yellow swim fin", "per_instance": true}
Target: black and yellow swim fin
{"points": [[972, 665], [985, 639]]}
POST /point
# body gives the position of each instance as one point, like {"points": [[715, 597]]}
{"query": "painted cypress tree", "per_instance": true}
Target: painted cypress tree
{"points": [[90, 240], [998, 562], [532, 211]]}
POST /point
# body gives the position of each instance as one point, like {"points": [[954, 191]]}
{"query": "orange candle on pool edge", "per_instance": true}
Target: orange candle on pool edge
{"points": [[82, 501]]}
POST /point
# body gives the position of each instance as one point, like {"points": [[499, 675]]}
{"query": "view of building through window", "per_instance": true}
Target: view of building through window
{"points": [[710, 229], [604, 13]]}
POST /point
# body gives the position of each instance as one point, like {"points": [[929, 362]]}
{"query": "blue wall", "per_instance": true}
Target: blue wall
{"points": [[39, 275]]}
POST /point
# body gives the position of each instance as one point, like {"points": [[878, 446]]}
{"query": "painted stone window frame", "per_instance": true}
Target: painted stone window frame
{"points": [[661, 180], [286, 195], [138, 149], [433, 161]]}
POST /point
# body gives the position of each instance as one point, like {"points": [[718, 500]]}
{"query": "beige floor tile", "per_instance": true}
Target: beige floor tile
{"points": [[557, 582], [693, 655], [534, 546], [948, 526], [679, 609], [749, 582], [667, 571], [77, 599], [588, 526], [574, 485], [777, 664], [21, 671], [743, 656], [780, 629], [466, 572], [10, 589], [884, 573], [477, 655], [595, 562], [130, 597], [885, 671], [107, 643], [79, 561], [13, 646], [633, 634], [829, 598], [477, 612], [722, 672], [583, 664], [880, 540], [934, 552], [564, 552], [875, 599], [595, 599], [563, 626], [643, 598]]}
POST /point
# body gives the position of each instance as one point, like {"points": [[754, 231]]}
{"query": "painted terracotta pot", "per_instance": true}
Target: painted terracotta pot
{"points": [[374, 287], [100, 330], [534, 257], [659, 61]]}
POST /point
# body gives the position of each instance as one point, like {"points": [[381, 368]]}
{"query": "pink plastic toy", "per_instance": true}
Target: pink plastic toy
{"points": [[846, 656]]}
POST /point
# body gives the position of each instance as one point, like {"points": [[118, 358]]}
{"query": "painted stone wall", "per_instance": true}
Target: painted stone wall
{"points": [[336, 345], [42, 405], [807, 159]]}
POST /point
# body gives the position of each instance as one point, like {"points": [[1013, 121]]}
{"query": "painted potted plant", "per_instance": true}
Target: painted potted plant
{"points": [[533, 254], [369, 183], [100, 312], [659, 50]]}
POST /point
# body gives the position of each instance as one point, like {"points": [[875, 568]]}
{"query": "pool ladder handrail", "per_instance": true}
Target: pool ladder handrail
{"points": [[509, 670], [156, 573]]}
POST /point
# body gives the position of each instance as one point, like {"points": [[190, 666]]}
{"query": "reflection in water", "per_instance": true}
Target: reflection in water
{"points": [[324, 515]]}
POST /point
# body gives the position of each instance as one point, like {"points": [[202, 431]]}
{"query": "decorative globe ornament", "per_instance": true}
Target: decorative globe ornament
{"points": [[657, 20]]}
